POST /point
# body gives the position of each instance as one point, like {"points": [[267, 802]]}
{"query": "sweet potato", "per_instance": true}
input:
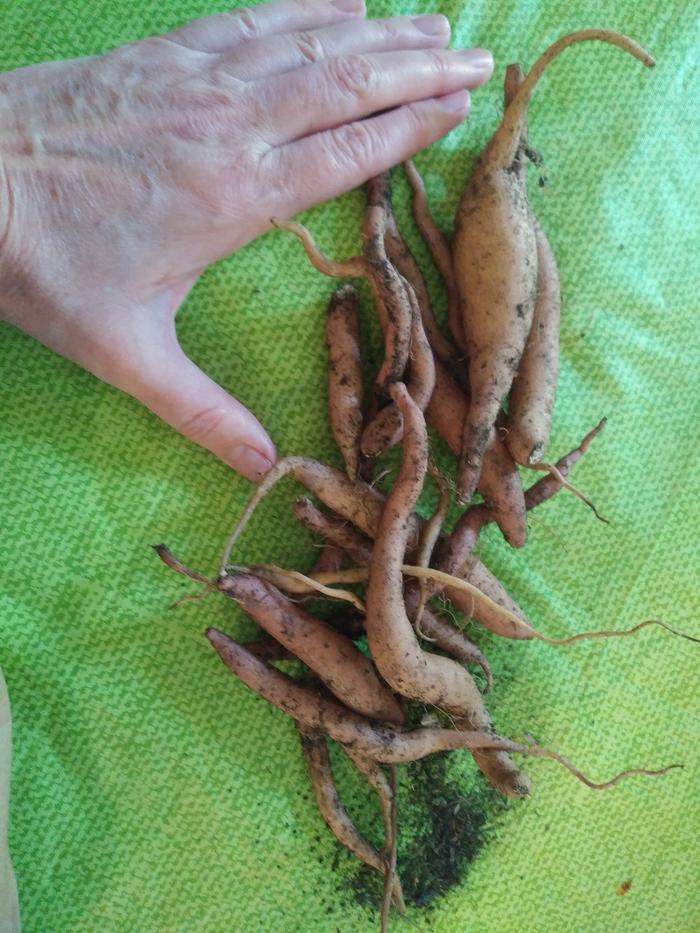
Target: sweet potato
{"points": [[342, 667], [499, 482], [495, 262], [316, 712], [405, 262], [387, 286], [404, 665]]}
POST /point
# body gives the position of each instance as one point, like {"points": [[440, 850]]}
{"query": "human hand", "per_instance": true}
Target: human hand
{"points": [[123, 176]]}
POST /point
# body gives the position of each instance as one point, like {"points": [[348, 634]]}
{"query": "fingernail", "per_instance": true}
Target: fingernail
{"points": [[249, 461], [349, 6], [456, 102], [480, 60], [432, 25]]}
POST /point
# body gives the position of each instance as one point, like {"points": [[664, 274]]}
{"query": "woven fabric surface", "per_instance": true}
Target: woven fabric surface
{"points": [[150, 790]]}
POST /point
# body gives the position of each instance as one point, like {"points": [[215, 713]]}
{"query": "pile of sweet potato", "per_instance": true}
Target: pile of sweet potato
{"points": [[488, 389]]}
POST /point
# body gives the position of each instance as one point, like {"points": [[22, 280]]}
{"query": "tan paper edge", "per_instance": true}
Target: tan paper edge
{"points": [[9, 904]]}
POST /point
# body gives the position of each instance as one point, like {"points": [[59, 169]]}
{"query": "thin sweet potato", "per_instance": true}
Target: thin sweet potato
{"points": [[334, 813], [440, 251], [405, 262], [357, 502], [333, 657], [345, 375], [386, 429]]}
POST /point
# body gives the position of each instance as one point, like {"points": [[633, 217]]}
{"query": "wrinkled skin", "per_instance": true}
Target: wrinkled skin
{"points": [[123, 176]]}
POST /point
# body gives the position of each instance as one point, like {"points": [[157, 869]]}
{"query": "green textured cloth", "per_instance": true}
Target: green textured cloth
{"points": [[153, 792]]}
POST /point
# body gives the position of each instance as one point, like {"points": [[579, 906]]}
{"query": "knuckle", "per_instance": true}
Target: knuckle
{"points": [[309, 47], [247, 23], [203, 425], [307, 6], [438, 61], [391, 30], [354, 75], [355, 144]]}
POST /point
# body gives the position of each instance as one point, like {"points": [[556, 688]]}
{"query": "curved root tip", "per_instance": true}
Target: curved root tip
{"points": [[550, 468], [606, 785], [193, 597], [668, 628], [168, 558], [616, 634]]}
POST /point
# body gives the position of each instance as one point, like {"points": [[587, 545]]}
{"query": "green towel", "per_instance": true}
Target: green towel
{"points": [[153, 792]]}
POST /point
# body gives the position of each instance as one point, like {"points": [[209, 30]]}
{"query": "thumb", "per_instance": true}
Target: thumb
{"points": [[177, 390]]}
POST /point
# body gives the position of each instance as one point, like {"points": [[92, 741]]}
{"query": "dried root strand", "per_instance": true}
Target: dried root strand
{"points": [[357, 502], [297, 583], [604, 785], [452, 583], [613, 633]]}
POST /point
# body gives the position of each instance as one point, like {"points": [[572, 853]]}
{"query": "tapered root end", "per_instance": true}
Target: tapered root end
{"points": [[521, 786], [217, 639], [346, 297], [502, 148], [467, 480], [501, 771]]}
